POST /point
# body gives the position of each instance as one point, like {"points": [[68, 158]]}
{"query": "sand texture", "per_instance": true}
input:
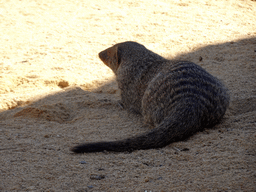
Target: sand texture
{"points": [[56, 93]]}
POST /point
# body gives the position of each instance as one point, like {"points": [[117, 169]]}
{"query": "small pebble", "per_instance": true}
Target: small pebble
{"points": [[90, 186], [97, 177], [185, 149], [63, 84], [82, 162]]}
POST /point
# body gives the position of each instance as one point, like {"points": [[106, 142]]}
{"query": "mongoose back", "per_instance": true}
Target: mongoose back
{"points": [[178, 98]]}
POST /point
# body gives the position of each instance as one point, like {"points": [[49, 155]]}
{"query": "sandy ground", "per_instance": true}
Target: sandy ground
{"points": [[56, 93]]}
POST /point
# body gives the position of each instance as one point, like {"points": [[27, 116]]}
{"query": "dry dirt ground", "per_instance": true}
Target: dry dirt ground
{"points": [[56, 93]]}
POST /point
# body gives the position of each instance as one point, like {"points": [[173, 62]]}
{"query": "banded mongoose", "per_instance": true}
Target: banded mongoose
{"points": [[178, 98]]}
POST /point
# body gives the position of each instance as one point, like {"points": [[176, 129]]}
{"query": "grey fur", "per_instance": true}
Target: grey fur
{"points": [[178, 98]]}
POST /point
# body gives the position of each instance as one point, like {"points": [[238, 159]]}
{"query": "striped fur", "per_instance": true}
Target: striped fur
{"points": [[178, 98]]}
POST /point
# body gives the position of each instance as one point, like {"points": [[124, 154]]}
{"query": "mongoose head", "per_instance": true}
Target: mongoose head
{"points": [[111, 57], [129, 50]]}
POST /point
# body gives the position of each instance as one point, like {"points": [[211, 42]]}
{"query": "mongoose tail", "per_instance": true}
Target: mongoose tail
{"points": [[172, 129]]}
